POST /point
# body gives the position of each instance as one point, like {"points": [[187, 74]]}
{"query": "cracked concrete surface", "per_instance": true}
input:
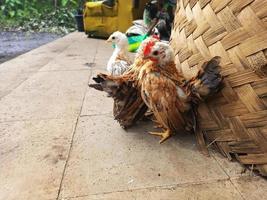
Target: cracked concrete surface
{"points": [[58, 139]]}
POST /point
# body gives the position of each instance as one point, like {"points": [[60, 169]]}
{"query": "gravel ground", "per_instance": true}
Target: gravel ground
{"points": [[13, 44]]}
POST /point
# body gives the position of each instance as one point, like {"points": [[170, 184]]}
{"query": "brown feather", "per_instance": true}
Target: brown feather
{"points": [[172, 99], [159, 92], [128, 105]]}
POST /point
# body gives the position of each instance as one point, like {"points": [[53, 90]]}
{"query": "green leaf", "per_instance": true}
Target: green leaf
{"points": [[12, 13], [64, 2]]}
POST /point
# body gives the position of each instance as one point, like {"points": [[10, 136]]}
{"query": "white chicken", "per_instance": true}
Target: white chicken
{"points": [[121, 59]]}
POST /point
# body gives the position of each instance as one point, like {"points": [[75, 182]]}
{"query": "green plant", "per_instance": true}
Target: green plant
{"points": [[11, 8], [66, 2], [39, 15]]}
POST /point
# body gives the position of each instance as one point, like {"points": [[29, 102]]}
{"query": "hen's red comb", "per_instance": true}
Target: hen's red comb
{"points": [[148, 48]]}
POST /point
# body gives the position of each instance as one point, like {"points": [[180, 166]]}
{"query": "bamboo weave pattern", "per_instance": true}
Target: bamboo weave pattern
{"points": [[235, 121]]}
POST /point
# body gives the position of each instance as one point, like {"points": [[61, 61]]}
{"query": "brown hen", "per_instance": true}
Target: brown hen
{"points": [[172, 99], [128, 105]]}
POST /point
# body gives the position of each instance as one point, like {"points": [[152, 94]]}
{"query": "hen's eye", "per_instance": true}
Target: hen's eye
{"points": [[113, 38], [155, 53]]}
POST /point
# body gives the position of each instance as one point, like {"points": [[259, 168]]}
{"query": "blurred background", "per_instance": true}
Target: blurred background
{"points": [[27, 24]]}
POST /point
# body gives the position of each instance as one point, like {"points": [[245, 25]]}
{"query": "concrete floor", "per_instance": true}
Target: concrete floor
{"points": [[58, 139]]}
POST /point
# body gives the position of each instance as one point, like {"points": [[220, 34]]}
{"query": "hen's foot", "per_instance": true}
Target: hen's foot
{"points": [[164, 135]]}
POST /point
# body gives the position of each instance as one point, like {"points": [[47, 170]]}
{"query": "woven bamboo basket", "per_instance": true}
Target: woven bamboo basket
{"points": [[235, 120]]}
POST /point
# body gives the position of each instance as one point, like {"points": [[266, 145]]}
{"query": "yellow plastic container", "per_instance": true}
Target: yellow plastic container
{"points": [[101, 21]]}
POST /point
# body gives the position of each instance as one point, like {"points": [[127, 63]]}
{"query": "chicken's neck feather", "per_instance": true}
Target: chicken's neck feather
{"points": [[112, 59]]}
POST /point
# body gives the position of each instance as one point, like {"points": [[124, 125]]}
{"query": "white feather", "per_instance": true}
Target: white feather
{"points": [[181, 93], [119, 67], [138, 28]]}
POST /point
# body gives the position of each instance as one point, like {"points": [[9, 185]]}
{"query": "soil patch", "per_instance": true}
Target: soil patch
{"points": [[13, 44]]}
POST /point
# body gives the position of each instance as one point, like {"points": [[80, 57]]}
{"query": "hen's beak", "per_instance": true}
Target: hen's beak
{"points": [[108, 40]]}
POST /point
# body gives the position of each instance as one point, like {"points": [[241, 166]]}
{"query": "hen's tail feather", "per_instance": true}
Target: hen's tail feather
{"points": [[97, 86], [98, 79], [209, 79], [128, 104], [107, 84]]}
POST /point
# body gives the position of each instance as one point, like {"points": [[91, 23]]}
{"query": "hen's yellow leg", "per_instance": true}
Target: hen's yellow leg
{"points": [[164, 135]]}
